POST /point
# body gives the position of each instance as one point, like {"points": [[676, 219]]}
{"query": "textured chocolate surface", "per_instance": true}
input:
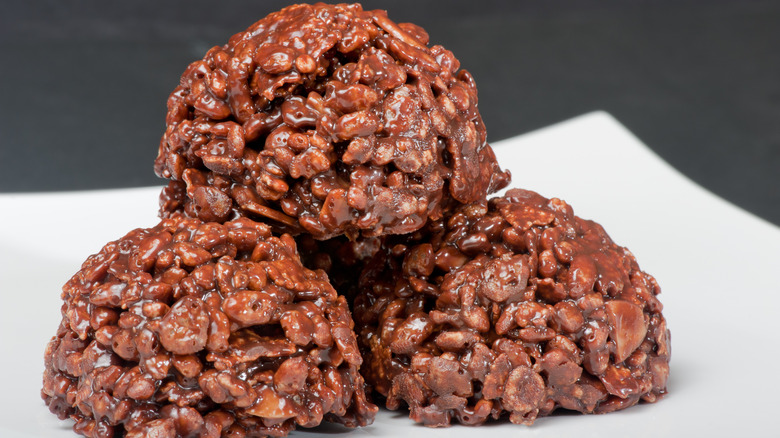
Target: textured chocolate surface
{"points": [[346, 130], [202, 329], [330, 120], [518, 307]]}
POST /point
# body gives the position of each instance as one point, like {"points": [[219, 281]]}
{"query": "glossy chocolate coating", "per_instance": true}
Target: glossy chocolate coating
{"points": [[514, 307], [327, 120], [203, 329]]}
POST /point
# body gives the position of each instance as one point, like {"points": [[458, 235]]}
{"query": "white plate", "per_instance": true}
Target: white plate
{"points": [[717, 265]]}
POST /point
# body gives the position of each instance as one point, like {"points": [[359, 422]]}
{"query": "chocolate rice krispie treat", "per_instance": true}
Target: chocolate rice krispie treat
{"points": [[333, 130], [203, 329], [326, 120], [514, 307]]}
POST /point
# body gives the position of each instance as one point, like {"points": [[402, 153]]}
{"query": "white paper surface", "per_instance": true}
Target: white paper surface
{"points": [[718, 267]]}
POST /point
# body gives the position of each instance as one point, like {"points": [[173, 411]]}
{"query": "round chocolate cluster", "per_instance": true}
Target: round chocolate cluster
{"points": [[337, 131], [517, 307], [203, 329], [328, 120]]}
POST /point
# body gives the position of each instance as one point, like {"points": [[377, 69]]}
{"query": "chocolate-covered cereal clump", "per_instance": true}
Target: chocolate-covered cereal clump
{"points": [[337, 131], [203, 329], [517, 307], [328, 120]]}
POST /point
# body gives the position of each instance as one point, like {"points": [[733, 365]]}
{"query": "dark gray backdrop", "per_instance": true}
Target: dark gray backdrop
{"points": [[84, 83]]}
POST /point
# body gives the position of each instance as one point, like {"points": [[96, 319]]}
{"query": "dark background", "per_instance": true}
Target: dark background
{"points": [[84, 83]]}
